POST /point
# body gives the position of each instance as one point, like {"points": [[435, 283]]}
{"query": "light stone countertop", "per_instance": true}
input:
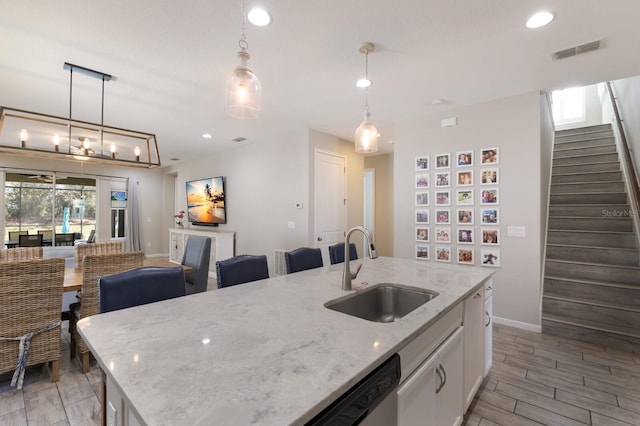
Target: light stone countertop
{"points": [[266, 352]]}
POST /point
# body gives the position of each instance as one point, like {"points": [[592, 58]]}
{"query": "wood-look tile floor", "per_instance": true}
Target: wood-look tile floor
{"points": [[540, 379], [535, 379]]}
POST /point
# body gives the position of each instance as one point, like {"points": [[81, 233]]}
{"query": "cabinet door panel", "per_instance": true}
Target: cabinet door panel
{"points": [[416, 397], [473, 345], [449, 398]]}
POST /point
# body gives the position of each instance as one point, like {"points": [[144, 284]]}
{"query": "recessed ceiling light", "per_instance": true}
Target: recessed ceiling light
{"points": [[259, 17], [540, 19], [207, 136], [363, 82]]}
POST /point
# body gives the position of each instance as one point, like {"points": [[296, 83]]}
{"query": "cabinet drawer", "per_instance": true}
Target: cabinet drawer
{"points": [[419, 349]]}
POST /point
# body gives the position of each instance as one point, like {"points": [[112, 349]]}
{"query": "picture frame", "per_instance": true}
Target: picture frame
{"points": [[422, 180], [490, 257], [443, 254], [465, 255], [443, 198], [490, 176], [464, 216], [465, 236], [422, 234], [422, 163], [422, 251], [489, 156], [490, 216], [465, 178], [490, 237], [443, 235], [443, 216], [422, 216], [443, 161], [422, 198], [443, 179], [464, 158], [489, 196], [464, 197]]}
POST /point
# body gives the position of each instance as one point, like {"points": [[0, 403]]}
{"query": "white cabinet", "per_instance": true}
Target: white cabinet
{"points": [[488, 326], [473, 322], [432, 395], [222, 245]]}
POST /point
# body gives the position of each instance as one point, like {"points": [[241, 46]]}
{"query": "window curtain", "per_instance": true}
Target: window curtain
{"points": [[133, 239]]}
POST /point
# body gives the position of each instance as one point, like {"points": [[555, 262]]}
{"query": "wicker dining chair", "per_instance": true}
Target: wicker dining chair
{"points": [[20, 253], [30, 302], [109, 247], [94, 267]]}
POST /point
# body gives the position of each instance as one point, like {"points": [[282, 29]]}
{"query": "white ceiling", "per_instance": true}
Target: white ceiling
{"points": [[170, 60]]}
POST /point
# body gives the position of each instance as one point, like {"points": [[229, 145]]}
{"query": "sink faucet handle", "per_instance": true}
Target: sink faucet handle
{"points": [[355, 274]]}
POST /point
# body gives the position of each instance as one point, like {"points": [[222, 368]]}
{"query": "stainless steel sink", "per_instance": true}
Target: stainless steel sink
{"points": [[384, 302]]}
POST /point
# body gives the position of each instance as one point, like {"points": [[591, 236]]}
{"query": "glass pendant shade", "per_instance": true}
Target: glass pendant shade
{"points": [[366, 136], [243, 91]]}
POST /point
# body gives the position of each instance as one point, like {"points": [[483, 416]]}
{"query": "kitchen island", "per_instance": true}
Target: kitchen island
{"points": [[266, 352]]}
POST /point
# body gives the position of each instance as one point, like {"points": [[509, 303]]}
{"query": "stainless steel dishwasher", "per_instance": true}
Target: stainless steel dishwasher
{"points": [[370, 402]]}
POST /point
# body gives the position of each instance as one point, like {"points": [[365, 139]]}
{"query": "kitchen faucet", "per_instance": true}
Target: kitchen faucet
{"points": [[347, 276]]}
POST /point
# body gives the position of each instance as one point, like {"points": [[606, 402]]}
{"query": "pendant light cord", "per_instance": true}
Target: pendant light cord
{"points": [[366, 76], [243, 40]]}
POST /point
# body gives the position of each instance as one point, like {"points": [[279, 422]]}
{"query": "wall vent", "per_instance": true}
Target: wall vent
{"points": [[279, 262], [577, 50]]}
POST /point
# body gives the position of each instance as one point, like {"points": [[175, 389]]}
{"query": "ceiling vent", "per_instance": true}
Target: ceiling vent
{"points": [[573, 51], [239, 139]]}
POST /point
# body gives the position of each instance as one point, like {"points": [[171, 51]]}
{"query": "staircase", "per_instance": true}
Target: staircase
{"points": [[592, 272]]}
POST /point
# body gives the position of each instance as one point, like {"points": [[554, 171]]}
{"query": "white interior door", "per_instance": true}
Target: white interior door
{"points": [[329, 189]]}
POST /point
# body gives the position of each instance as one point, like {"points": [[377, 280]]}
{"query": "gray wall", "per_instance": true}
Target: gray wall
{"points": [[628, 93], [383, 166], [513, 125]]}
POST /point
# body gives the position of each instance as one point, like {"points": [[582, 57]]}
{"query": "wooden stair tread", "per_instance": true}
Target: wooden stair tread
{"points": [[591, 247], [593, 325], [606, 265], [594, 282], [593, 302]]}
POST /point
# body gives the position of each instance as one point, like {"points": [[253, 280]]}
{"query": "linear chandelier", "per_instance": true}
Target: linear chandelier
{"points": [[46, 136]]}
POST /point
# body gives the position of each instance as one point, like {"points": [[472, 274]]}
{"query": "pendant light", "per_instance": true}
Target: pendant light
{"points": [[366, 133], [242, 97]]}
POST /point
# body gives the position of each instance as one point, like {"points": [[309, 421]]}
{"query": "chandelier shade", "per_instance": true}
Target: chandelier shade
{"points": [[366, 136], [243, 90], [61, 138]]}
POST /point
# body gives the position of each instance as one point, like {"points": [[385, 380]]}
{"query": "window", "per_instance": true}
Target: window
{"points": [[569, 106], [49, 202]]}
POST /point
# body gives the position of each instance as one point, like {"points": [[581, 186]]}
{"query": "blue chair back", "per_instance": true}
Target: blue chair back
{"points": [[196, 255], [336, 253], [241, 269], [302, 259], [140, 286]]}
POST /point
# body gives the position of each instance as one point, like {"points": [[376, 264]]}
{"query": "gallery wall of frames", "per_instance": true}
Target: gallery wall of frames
{"points": [[457, 207]]}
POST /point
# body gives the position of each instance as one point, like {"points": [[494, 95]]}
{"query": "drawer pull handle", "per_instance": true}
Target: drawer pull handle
{"points": [[488, 319]]}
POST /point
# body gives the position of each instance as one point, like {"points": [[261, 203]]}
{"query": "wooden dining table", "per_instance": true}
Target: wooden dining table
{"points": [[73, 276]]}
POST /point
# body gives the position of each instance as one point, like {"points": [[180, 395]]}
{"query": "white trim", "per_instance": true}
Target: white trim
{"points": [[517, 324]]}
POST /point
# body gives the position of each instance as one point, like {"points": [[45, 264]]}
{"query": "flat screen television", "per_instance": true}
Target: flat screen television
{"points": [[206, 201]]}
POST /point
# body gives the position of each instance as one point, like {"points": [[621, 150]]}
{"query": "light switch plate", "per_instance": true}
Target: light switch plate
{"points": [[516, 231]]}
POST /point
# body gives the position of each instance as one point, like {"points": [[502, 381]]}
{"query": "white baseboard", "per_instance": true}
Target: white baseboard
{"points": [[517, 324]]}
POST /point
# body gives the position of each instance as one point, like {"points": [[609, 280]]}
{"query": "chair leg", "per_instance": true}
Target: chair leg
{"points": [[85, 362], [72, 348], [55, 370]]}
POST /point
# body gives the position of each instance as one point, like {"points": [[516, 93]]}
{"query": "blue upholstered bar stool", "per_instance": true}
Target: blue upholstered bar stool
{"points": [[302, 259], [336, 253], [241, 269]]}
